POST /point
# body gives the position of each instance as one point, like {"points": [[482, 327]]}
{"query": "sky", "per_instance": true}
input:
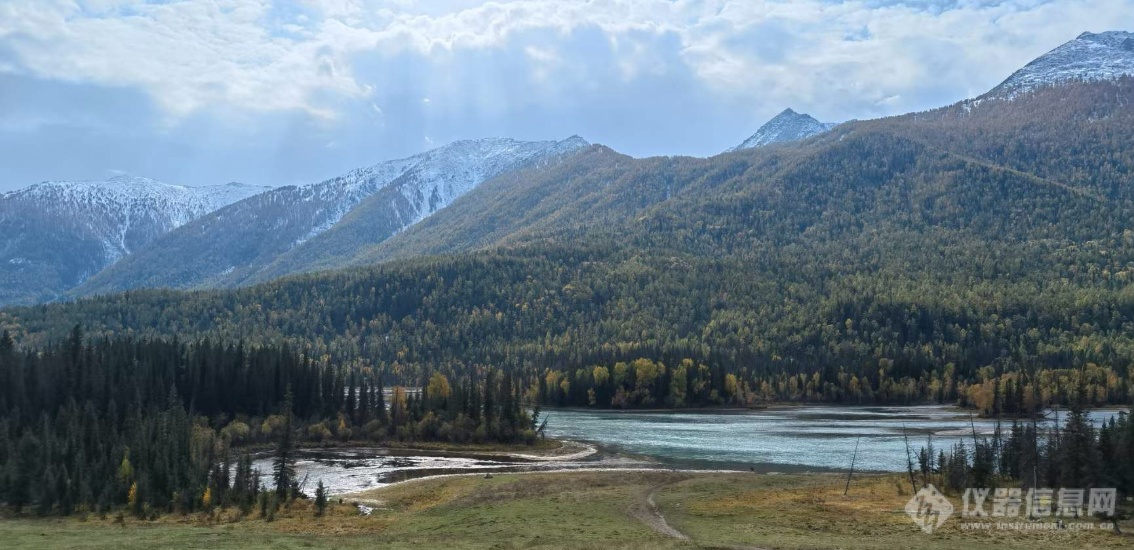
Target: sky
{"points": [[201, 92]]}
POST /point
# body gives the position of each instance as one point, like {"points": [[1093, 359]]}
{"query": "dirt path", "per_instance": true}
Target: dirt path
{"points": [[647, 512]]}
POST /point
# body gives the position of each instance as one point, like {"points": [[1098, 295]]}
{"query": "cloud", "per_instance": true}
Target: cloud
{"points": [[261, 56], [186, 55], [206, 88]]}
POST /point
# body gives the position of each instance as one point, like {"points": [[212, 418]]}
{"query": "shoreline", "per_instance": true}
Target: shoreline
{"points": [[591, 457], [722, 409], [589, 470], [517, 451], [781, 406]]}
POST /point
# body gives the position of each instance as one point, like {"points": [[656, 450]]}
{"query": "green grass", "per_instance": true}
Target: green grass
{"points": [[578, 510], [79, 535], [568, 510], [800, 512]]}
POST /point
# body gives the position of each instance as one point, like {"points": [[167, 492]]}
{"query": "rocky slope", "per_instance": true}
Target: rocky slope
{"points": [[785, 127], [298, 229], [1090, 57], [55, 235]]}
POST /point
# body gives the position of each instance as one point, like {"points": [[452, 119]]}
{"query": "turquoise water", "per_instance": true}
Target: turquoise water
{"points": [[782, 439], [791, 439]]}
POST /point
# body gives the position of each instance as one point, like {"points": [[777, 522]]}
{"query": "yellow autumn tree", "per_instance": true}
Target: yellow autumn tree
{"points": [[600, 375], [132, 496], [677, 387], [731, 387], [398, 405], [438, 389], [343, 427], [125, 469]]}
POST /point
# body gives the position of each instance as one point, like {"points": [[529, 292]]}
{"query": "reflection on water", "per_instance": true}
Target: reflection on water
{"points": [[792, 437], [781, 439]]}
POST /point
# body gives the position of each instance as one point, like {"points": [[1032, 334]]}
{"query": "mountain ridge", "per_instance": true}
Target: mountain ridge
{"points": [[346, 220], [282, 231], [942, 242], [786, 127], [57, 234], [1089, 57]]}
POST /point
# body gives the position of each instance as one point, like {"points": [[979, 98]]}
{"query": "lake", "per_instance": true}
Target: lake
{"points": [[787, 439]]}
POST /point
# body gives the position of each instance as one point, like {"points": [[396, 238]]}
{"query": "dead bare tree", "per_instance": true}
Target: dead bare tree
{"points": [[909, 459], [851, 472]]}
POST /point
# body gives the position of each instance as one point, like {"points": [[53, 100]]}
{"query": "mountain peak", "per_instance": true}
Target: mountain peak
{"points": [[56, 234], [575, 139], [320, 225], [1089, 57], [785, 127]]}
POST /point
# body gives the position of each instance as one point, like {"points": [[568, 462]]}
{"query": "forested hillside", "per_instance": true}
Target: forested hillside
{"points": [[966, 254], [979, 166]]}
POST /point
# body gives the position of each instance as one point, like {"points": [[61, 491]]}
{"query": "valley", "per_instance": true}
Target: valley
{"points": [[827, 336]]}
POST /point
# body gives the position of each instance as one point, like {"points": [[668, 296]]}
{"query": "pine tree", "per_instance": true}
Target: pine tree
{"points": [[489, 403], [47, 488], [25, 472], [363, 405], [352, 401], [320, 499], [1125, 453], [64, 492], [223, 480], [1077, 458], [283, 465], [535, 415], [380, 403], [240, 480], [7, 372]]}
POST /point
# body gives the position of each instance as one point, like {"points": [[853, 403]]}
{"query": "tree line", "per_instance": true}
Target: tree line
{"points": [[154, 426], [645, 383], [1068, 452]]}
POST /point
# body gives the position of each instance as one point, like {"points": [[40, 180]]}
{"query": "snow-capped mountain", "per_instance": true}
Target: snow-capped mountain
{"points": [[301, 228], [442, 175], [54, 235], [427, 181], [785, 127], [1090, 57], [122, 202]]}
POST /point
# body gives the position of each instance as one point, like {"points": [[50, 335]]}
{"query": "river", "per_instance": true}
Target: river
{"points": [[786, 439]]}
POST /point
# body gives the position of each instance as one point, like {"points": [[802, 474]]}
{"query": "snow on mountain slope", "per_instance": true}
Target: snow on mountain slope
{"points": [[124, 199], [1101, 56], [54, 235], [428, 181], [299, 228], [785, 127], [432, 181], [445, 174]]}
